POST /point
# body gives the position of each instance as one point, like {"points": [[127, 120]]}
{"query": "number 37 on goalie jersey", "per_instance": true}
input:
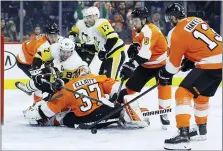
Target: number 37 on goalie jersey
{"points": [[94, 86]]}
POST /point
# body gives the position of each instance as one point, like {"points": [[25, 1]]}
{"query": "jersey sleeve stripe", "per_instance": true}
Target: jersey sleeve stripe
{"points": [[116, 49], [110, 33], [170, 67]]}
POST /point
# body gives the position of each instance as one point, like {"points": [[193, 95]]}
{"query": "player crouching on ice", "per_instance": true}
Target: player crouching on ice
{"points": [[83, 109]]}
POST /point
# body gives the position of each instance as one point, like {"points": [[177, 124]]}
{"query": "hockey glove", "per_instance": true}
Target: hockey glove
{"points": [[57, 85], [34, 71], [133, 50], [164, 77], [38, 79], [102, 55], [127, 70], [187, 65]]}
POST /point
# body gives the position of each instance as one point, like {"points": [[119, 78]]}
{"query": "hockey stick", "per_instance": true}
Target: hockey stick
{"points": [[55, 97], [157, 112], [105, 123], [83, 126]]}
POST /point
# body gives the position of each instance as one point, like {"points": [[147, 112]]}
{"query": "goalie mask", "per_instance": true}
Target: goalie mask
{"points": [[67, 47], [82, 70], [91, 14]]}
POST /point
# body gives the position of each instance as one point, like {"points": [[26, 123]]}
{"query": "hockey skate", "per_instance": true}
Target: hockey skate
{"points": [[165, 121], [180, 142], [198, 132], [23, 88]]}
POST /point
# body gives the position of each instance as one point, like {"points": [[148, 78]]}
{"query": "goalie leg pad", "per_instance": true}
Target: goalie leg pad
{"points": [[131, 116]]}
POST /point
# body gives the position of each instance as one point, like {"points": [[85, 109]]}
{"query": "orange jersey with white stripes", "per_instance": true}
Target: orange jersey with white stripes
{"points": [[95, 86], [153, 45], [194, 39], [30, 48]]}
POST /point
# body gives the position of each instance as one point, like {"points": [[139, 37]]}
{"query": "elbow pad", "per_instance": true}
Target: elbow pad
{"points": [[110, 43]]}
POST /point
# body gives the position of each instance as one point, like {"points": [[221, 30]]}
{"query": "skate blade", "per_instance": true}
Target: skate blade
{"points": [[199, 138], [18, 87], [180, 146], [165, 127]]}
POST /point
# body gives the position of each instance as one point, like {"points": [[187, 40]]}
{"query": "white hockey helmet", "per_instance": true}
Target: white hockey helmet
{"points": [[67, 47], [91, 11]]}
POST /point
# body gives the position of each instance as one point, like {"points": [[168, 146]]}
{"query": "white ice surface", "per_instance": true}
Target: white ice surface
{"points": [[17, 134]]}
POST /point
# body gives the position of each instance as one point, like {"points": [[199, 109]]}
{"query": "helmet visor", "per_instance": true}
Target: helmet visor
{"points": [[168, 18]]}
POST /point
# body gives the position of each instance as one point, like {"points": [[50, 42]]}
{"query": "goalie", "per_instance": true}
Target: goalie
{"points": [[82, 109]]}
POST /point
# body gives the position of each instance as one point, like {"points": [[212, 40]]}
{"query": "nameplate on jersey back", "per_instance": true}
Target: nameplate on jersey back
{"points": [[80, 83], [192, 24]]}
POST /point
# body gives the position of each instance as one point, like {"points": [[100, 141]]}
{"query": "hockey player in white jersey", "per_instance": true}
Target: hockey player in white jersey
{"points": [[106, 41], [64, 56], [84, 40], [30, 47]]}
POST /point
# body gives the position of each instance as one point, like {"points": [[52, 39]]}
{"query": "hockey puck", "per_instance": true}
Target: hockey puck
{"points": [[93, 130]]}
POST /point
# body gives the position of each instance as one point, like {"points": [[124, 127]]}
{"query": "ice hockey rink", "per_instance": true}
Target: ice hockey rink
{"points": [[17, 134]]}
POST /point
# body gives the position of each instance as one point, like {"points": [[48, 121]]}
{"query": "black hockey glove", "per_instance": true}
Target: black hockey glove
{"points": [[35, 70], [57, 85], [38, 79], [102, 55], [187, 65], [133, 50], [164, 77], [127, 70]]}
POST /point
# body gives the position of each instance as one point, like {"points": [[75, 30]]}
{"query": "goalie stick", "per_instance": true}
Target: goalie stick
{"points": [[84, 126], [102, 123]]}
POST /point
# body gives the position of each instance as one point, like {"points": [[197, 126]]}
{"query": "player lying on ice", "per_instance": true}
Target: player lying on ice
{"points": [[83, 109]]}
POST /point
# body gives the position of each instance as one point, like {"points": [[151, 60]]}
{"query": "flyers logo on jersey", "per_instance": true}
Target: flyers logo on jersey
{"points": [[146, 40]]}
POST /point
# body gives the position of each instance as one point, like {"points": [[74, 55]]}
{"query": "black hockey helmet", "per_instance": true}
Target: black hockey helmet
{"points": [[175, 10], [52, 29], [141, 12]]}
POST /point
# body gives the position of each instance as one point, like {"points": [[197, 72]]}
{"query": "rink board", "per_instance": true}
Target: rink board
{"points": [[12, 73]]}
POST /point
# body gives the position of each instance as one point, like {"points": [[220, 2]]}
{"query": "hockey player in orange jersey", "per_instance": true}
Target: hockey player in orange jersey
{"points": [[84, 110], [148, 51], [29, 49], [202, 48]]}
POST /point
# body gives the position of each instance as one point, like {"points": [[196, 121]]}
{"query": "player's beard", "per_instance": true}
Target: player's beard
{"points": [[173, 24]]}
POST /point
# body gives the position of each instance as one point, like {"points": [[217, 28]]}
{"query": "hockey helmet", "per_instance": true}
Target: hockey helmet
{"points": [[52, 28], [67, 47], [175, 10], [141, 12], [91, 11]]}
